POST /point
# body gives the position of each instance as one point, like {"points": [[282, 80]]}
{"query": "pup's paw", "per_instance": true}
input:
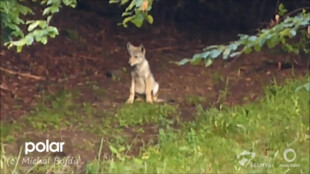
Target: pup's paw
{"points": [[130, 101], [149, 100]]}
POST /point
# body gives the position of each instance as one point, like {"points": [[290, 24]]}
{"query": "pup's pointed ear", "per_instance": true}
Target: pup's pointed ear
{"points": [[129, 47], [142, 49]]}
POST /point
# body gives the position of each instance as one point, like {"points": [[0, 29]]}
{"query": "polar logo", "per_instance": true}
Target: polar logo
{"points": [[44, 147]]}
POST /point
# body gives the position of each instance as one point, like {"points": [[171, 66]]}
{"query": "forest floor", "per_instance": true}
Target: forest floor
{"points": [[85, 82]]}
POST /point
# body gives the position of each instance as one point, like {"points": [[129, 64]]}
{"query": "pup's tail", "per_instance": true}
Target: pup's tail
{"points": [[160, 100]]}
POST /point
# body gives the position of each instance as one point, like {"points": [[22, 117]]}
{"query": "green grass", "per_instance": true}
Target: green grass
{"points": [[54, 112], [211, 143], [195, 100], [208, 144], [144, 113]]}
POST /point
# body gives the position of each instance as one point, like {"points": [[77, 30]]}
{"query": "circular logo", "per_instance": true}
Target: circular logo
{"points": [[289, 151]]}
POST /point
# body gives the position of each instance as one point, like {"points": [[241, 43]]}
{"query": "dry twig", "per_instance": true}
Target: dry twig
{"points": [[27, 75]]}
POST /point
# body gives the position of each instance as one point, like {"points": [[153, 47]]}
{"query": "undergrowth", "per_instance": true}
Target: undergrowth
{"points": [[212, 143]]}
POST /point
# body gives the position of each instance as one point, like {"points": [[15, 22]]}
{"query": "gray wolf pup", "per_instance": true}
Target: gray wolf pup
{"points": [[142, 79]]}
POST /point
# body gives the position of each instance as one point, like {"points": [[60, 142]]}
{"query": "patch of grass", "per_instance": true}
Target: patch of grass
{"points": [[208, 144], [6, 133], [223, 93], [218, 77], [211, 143], [195, 100], [52, 110], [144, 113], [7, 130], [88, 108], [100, 91]]}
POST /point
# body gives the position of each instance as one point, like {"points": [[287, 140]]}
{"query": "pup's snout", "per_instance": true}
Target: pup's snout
{"points": [[131, 62]]}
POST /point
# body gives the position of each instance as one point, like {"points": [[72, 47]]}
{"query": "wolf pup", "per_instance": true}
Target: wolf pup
{"points": [[142, 79]]}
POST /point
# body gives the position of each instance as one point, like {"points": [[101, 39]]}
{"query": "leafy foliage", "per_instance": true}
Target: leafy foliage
{"points": [[282, 33], [14, 22], [136, 11]]}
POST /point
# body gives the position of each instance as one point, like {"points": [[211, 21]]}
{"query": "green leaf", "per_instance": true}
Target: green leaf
{"points": [[196, 61], [208, 62], [44, 40], [252, 38], [138, 161], [33, 25], [233, 46], [282, 10], [273, 41], [19, 48], [293, 32], [113, 149], [226, 53], [235, 54], [23, 9], [138, 20], [243, 37], [139, 3], [287, 32], [42, 23], [48, 19], [211, 47], [113, 1], [124, 2], [257, 47], [126, 14], [37, 35], [150, 19], [47, 11], [126, 20], [215, 53], [130, 6], [20, 42], [29, 39], [247, 50], [49, 2], [71, 3], [121, 149], [54, 9], [183, 61]]}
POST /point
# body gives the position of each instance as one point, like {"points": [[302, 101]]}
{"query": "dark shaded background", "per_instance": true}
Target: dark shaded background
{"points": [[203, 15]]}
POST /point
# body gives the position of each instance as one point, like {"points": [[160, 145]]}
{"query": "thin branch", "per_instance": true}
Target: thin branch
{"points": [[88, 57], [27, 75], [293, 12], [3, 87], [163, 48]]}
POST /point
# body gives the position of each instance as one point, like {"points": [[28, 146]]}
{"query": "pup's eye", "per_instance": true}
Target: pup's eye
{"points": [[136, 56]]}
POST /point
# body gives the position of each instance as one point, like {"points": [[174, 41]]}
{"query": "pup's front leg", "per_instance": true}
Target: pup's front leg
{"points": [[132, 92], [148, 90]]}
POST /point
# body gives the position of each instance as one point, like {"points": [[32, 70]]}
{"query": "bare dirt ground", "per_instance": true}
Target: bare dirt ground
{"points": [[92, 49]]}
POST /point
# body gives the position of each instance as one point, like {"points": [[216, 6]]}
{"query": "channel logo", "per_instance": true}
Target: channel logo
{"points": [[44, 147]]}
